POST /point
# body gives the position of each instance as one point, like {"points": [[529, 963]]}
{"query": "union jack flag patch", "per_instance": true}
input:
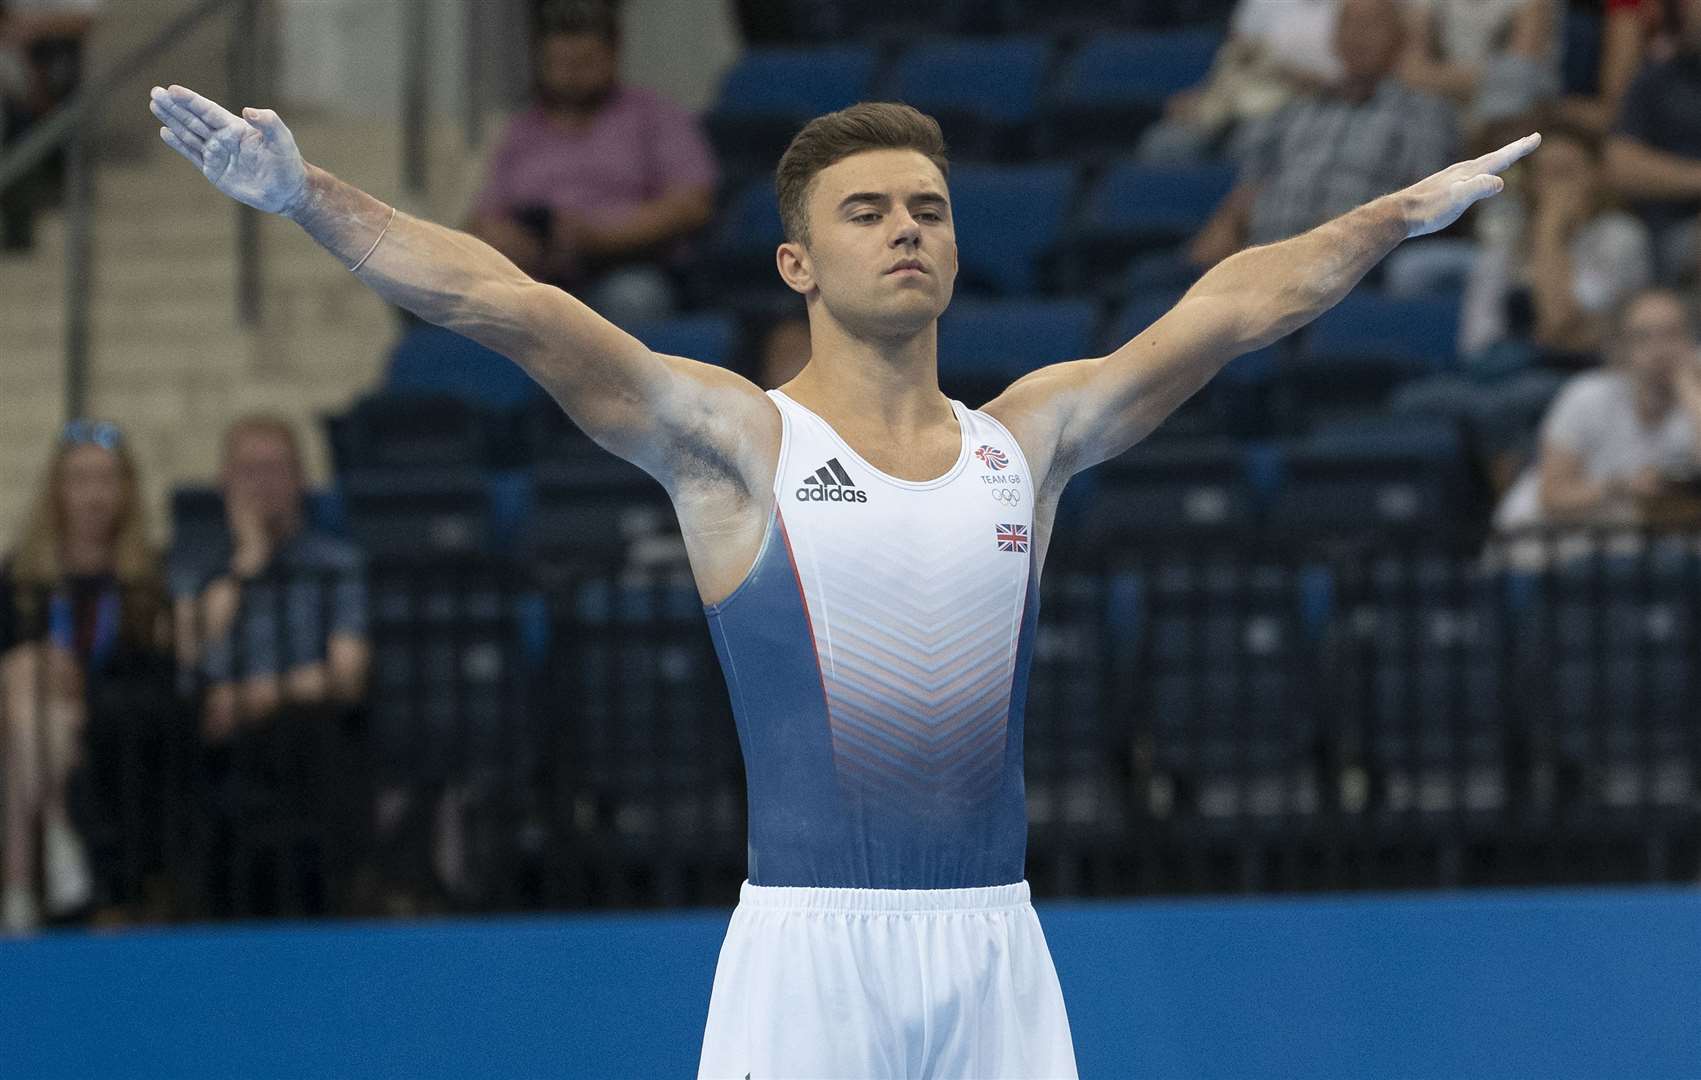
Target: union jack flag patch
{"points": [[1012, 537]]}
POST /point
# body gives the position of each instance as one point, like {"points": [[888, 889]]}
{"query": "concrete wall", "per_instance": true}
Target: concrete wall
{"points": [[346, 56]]}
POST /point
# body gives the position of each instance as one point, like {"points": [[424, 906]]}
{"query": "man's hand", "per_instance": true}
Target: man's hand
{"points": [[1437, 201], [252, 158]]}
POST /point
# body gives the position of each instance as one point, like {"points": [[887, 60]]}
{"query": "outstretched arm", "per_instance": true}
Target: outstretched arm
{"points": [[1086, 411], [659, 412]]}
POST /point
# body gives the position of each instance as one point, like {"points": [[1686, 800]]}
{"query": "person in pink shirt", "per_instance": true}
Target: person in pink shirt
{"points": [[597, 185]]}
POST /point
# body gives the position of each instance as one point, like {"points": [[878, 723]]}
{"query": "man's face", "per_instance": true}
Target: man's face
{"points": [[882, 245], [1655, 339], [262, 472], [1367, 38], [576, 71]]}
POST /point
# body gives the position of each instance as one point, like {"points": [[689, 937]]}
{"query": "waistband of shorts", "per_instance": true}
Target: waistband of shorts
{"points": [[815, 898]]}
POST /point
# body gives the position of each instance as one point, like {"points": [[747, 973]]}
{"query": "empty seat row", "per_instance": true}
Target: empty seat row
{"points": [[992, 95]]}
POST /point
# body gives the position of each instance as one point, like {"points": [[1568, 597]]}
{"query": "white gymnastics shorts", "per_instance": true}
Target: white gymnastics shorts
{"points": [[878, 984]]}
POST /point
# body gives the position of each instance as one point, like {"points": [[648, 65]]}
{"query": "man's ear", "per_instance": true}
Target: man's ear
{"points": [[796, 268]]}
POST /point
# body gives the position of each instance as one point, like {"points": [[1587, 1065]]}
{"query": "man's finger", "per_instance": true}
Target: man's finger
{"points": [[266, 120], [216, 116], [1503, 158], [179, 118], [171, 140], [182, 135]]}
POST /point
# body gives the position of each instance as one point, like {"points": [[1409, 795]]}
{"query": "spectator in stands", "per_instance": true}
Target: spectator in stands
{"points": [[273, 623], [597, 186], [1276, 50], [1493, 58], [1319, 157], [1559, 258], [785, 350], [277, 614], [41, 60], [1632, 31], [1619, 440], [1654, 154], [84, 668]]}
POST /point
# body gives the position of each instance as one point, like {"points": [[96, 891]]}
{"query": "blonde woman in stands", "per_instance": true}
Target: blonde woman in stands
{"points": [[82, 608]]}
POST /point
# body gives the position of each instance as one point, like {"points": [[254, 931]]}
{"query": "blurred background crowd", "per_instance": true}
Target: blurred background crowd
{"points": [[1409, 599]]}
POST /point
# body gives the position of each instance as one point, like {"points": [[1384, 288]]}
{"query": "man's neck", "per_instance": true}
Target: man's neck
{"points": [[890, 388]]}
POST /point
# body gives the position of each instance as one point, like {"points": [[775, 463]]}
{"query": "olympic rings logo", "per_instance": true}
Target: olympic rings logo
{"points": [[1008, 496]]}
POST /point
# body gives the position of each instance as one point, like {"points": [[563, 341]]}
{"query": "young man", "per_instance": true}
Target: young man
{"points": [[868, 551]]}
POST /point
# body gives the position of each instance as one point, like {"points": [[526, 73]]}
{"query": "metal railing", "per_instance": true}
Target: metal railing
{"points": [[1199, 720], [250, 60], [71, 126]]}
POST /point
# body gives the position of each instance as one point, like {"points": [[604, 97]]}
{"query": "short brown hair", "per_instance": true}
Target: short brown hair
{"points": [[827, 140]]}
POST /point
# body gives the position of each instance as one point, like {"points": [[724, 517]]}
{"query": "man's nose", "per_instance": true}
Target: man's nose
{"points": [[907, 231]]}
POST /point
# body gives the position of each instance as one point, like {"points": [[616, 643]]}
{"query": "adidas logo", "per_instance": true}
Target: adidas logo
{"points": [[830, 484]]}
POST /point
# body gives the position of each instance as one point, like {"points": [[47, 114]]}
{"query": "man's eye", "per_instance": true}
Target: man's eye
{"points": [[866, 215], [931, 215]]}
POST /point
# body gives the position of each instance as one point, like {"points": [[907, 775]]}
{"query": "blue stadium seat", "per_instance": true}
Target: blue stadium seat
{"points": [[740, 251], [1148, 200], [1136, 66], [1176, 491], [985, 92], [1400, 475], [1133, 210], [1008, 218], [771, 92], [1426, 686], [397, 430], [711, 337], [1607, 645], [431, 360], [1116, 83], [1225, 691], [1417, 332], [450, 692], [796, 83], [1072, 755], [985, 345], [643, 749], [588, 510], [1356, 356], [419, 514]]}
